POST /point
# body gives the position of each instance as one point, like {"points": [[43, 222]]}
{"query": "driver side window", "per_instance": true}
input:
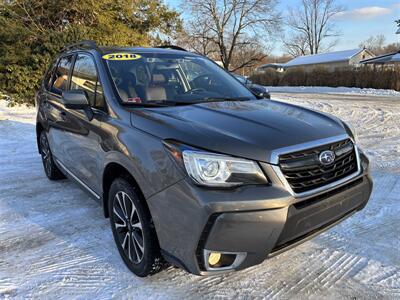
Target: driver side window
{"points": [[84, 77]]}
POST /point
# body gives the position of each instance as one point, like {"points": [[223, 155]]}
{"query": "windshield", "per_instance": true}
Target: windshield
{"points": [[171, 78], [242, 79]]}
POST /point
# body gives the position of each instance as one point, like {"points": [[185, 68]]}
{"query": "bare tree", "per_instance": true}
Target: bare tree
{"points": [[225, 26], [374, 44], [390, 48], [196, 37], [312, 24], [296, 45], [247, 55], [377, 45]]}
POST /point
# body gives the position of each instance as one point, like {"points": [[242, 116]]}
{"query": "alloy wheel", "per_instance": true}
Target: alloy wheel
{"points": [[128, 227], [46, 154]]}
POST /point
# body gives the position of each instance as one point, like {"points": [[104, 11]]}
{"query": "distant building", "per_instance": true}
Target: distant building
{"points": [[272, 66], [330, 60], [386, 59]]}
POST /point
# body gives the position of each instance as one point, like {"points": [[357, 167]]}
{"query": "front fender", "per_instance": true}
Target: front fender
{"points": [[145, 158]]}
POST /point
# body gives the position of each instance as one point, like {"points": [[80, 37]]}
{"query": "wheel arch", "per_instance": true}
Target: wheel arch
{"points": [[39, 129], [112, 171]]}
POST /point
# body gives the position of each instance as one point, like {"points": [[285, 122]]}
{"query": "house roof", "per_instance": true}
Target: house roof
{"points": [[329, 57], [272, 65], [383, 59]]}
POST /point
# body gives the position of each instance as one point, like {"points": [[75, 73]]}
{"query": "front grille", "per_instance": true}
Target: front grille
{"points": [[304, 172]]}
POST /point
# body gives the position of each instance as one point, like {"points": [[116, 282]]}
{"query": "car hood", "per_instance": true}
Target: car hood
{"points": [[249, 129]]}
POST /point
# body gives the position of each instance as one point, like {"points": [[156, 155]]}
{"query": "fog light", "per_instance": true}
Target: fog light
{"points": [[222, 261], [214, 258]]}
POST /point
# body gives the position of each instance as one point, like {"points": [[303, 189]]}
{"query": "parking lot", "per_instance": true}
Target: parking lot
{"points": [[55, 242]]}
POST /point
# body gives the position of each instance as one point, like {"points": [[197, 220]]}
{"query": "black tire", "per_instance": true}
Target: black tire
{"points": [[50, 168], [133, 229]]}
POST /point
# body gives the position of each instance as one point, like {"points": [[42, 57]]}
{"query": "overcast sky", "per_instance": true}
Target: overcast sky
{"points": [[360, 20]]}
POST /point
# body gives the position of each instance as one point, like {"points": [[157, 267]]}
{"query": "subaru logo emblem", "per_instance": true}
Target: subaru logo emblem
{"points": [[327, 157]]}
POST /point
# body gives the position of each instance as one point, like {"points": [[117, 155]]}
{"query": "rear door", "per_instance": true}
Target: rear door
{"points": [[83, 153], [41, 96], [54, 109]]}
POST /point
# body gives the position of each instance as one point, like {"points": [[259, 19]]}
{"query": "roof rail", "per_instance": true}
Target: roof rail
{"points": [[171, 47], [81, 44]]}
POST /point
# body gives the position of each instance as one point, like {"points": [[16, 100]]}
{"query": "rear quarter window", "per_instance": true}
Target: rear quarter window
{"points": [[47, 80]]}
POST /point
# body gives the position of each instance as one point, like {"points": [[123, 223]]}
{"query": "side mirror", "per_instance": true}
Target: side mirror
{"points": [[264, 95], [261, 93], [76, 99]]}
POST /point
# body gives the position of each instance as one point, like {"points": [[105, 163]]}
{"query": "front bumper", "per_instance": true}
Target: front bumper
{"points": [[256, 220]]}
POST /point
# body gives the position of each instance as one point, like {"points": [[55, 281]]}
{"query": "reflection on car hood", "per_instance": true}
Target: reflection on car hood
{"points": [[251, 129]]}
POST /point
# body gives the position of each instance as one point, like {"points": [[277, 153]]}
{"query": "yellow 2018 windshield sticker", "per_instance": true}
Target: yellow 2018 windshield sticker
{"points": [[121, 56]]}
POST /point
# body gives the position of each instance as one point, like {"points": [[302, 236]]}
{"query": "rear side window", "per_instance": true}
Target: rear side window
{"points": [[84, 77], [47, 81], [60, 78]]}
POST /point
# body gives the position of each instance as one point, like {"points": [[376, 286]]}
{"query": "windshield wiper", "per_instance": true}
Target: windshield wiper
{"points": [[171, 102], [206, 100], [147, 104], [162, 103], [222, 99], [192, 102]]}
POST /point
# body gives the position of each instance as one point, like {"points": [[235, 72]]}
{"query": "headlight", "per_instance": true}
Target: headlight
{"points": [[218, 170]]}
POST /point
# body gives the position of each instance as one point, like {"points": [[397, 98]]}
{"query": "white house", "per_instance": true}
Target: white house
{"points": [[386, 59], [272, 66], [330, 60]]}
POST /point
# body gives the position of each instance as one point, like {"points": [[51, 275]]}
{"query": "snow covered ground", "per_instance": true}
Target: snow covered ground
{"points": [[55, 243], [332, 90]]}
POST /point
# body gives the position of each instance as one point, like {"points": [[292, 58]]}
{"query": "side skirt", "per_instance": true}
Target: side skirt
{"points": [[73, 177]]}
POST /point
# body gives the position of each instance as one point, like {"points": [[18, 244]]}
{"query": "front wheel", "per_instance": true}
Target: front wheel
{"points": [[133, 230]]}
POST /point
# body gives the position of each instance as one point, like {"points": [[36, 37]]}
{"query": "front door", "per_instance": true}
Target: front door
{"points": [[83, 152]]}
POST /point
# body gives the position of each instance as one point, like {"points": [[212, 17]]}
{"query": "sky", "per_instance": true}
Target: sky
{"points": [[360, 20]]}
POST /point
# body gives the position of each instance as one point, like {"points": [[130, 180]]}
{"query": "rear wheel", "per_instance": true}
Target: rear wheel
{"points": [[50, 168], [133, 230]]}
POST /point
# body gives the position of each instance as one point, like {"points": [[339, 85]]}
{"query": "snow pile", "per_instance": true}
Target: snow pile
{"points": [[332, 90]]}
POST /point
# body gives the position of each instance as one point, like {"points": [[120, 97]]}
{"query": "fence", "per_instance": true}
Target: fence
{"points": [[377, 77]]}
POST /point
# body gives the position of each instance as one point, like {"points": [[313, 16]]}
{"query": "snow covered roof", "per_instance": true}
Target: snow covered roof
{"points": [[383, 59], [272, 65], [329, 57]]}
